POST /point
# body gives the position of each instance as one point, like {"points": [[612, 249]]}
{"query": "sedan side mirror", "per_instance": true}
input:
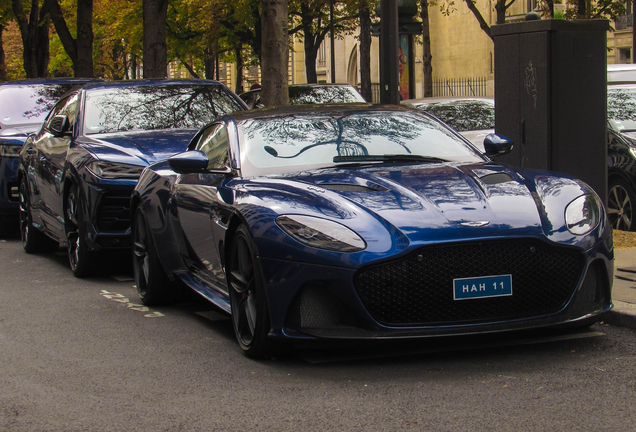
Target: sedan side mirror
{"points": [[59, 125], [497, 145], [193, 161]]}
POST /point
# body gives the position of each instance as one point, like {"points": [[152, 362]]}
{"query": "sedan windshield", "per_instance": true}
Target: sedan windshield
{"points": [[155, 107], [29, 104], [289, 142]]}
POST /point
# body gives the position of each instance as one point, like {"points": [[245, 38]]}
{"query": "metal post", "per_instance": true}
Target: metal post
{"points": [[333, 49], [389, 57]]}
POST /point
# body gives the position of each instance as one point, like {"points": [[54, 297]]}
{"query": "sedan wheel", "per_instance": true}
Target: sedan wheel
{"points": [[33, 240], [620, 206], [153, 285], [250, 315], [80, 258]]}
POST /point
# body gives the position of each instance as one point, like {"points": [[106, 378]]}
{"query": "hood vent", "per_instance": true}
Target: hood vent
{"points": [[496, 178]]}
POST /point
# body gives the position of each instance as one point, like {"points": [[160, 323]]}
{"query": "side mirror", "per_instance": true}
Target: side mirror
{"points": [[193, 161], [59, 125], [497, 145]]}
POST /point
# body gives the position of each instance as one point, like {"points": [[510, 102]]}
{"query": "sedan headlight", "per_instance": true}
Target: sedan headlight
{"points": [[321, 233], [113, 170], [582, 215], [10, 151]]}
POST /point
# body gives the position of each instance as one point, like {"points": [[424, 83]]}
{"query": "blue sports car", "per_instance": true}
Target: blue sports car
{"points": [[78, 172], [366, 222], [23, 106]]}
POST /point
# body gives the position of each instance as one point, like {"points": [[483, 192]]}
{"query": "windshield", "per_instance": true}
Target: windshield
{"points": [[29, 104], [155, 107], [288, 143], [463, 115], [621, 109], [323, 95]]}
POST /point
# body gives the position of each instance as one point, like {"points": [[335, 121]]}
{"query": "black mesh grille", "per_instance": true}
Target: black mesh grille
{"points": [[418, 289], [114, 211]]}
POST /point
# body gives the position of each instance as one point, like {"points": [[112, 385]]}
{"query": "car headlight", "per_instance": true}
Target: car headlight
{"points": [[10, 151], [321, 233], [582, 215], [113, 170]]}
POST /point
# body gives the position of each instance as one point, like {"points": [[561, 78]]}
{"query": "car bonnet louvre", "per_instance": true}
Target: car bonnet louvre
{"points": [[348, 187]]}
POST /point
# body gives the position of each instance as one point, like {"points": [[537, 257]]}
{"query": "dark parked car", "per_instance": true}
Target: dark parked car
{"points": [[621, 152], [23, 106], [302, 94], [473, 117], [358, 221], [77, 174]]}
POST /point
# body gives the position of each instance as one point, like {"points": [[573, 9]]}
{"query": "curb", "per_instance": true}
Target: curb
{"points": [[623, 315]]}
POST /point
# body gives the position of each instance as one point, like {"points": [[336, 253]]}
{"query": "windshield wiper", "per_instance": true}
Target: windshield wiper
{"points": [[388, 158]]}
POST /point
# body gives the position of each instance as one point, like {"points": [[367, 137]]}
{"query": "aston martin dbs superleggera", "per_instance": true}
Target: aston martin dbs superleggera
{"points": [[360, 221]]}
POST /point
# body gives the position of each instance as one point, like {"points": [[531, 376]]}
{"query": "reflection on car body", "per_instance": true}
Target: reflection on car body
{"points": [[77, 174], [358, 221]]}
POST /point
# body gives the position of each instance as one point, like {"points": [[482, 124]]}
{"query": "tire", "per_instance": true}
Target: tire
{"points": [[250, 313], [621, 205], [81, 260], [33, 240], [153, 285]]}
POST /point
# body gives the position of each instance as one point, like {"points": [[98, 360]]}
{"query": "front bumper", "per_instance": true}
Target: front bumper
{"points": [[312, 301]]}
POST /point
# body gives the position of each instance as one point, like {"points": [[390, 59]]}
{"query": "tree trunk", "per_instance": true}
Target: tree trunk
{"points": [[274, 53], [239, 69], [79, 50], [155, 49], [365, 53], [480, 19], [3, 64], [35, 38], [309, 43], [209, 63], [427, 57], [83, 67]]}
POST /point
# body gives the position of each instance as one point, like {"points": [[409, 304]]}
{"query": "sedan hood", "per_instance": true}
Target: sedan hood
{"points": [[434, 202], [138, 148]]}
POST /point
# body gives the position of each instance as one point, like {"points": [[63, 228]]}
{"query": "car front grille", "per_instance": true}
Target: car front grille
{"points": [[418, 289], [113, 214]]}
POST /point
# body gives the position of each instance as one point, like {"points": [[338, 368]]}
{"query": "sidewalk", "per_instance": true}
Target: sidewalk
{"points": [[624, 292]]}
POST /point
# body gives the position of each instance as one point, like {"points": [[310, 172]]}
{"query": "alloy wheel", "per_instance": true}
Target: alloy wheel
{"points": [[620, 208]]}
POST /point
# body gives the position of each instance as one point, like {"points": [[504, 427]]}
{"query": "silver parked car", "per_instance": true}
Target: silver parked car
{"points": [[473, 117]]}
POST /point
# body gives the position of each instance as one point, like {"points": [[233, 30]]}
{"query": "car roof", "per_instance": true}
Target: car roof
{"points": [[441, 99], [149, 82], [45, 81]]}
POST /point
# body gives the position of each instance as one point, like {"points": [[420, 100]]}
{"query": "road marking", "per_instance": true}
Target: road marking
{"points": [[132, 306]]}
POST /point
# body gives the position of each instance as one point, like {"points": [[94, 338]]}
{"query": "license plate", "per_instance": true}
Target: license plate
{"points": [[482, 287]]}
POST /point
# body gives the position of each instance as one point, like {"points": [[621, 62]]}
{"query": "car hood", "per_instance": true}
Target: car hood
{"points": [[422, 204], [138, 148]]}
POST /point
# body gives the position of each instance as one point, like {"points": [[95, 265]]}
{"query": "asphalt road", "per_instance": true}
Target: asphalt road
{"points": [[84, 355]]}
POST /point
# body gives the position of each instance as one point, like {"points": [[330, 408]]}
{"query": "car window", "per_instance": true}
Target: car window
{"points": [[323, 95], [463, 115], [58, 109], [288, 143], [214, 143], [29, 104], [621, 109], [188, 106]]}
